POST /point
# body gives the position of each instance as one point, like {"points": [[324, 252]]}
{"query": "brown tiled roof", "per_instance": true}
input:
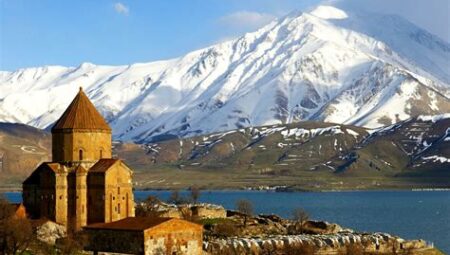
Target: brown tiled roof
{"points": [[81, 114], [103, 165], [130, 223], [34, 178], [53, 166]]}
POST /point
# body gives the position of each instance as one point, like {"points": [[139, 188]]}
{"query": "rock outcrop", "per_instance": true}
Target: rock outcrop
{"points": [[185, 211], [49, 231], [341, 243]]}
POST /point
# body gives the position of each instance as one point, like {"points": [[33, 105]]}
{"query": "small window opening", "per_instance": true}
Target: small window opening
{"points": [[101, 153], [80, 154]]}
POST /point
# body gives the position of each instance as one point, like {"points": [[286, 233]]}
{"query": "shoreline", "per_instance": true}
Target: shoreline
{"points": [[19, 190]]}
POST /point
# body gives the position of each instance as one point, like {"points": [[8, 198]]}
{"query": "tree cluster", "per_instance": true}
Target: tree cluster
{"points": [[16, 233], [177, 198]]}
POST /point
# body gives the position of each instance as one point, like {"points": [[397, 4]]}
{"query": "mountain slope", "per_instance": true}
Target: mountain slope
{"points": [[417, 146], [22, 148], [327, 65], [309, 155]]}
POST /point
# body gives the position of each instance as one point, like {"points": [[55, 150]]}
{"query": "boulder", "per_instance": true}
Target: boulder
{"points": [[321, 227], [49, 232]]}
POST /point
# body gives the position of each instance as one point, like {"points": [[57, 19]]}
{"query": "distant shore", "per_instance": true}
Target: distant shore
{"points": [[19, 189]]}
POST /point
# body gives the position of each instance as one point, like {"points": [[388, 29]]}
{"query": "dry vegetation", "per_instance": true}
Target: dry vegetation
{"points": [[16, 234]]}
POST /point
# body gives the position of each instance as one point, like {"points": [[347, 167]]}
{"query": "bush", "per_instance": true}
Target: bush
{"points": [[354, 249], [226, 229], [300, 249], [16, 234]]}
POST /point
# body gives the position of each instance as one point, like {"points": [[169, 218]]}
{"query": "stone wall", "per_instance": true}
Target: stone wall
{"points": [[344, 243], [203, 211], [119, 199], [94, 144], [208, 211], [174, 237]]}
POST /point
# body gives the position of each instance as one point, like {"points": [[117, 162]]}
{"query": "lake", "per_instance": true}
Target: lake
{"points": [[409, 214]]}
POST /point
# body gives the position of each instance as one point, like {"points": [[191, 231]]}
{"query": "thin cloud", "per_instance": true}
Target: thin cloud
{"points": [[121, 9], [433, 15], [224, 39], [245, 20]]}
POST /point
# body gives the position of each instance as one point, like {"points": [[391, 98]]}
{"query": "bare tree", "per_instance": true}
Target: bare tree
{"points": [[148, 207], [300, 216], [73, 244], [16, 233], [6, 210], [175, 197], [245, 207], [195, 194]]}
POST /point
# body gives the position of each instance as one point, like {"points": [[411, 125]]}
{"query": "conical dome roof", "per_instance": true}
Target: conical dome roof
{"points": [[81, 114]]}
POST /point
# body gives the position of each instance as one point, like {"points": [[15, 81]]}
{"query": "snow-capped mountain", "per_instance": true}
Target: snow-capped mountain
{"points": [[328, 64]]}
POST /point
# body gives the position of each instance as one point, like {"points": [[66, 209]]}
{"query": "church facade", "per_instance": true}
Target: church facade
{"points": [[83, 184]]}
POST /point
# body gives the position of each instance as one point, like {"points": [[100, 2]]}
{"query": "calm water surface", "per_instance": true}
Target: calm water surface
{"points": [[409, 214]]}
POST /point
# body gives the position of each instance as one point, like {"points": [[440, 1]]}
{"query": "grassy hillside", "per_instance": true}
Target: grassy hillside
{"points": [[305, 155], [22, 148]]}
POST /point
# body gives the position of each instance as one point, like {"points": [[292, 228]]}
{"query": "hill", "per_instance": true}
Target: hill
{"points": [[306, 155], [22, 148]]}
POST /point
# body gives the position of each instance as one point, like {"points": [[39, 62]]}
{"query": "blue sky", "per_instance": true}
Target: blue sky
{"points": [[47, 32], [69, 32]]}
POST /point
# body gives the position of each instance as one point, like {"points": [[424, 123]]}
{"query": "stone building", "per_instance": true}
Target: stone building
{"points": [[83, 184], [142, 235]]}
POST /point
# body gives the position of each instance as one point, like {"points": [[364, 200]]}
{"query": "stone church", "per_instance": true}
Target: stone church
{"points": [[83, 184]]}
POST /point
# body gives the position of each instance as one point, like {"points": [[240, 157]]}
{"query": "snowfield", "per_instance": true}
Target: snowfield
{"points": [[434, 118], [328, 65], [435, 158]]}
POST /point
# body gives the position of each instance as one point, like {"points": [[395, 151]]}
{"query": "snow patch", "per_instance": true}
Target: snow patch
{"points": [[434, 118], [311, 133], [436, 158], [352, 132]]}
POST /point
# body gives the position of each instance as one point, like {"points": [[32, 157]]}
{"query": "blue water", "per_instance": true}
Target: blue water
{"points": [[411, 215]]}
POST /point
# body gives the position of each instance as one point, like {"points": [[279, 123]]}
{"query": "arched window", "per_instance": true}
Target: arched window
{"points": [[101, 153], [80, 154]]}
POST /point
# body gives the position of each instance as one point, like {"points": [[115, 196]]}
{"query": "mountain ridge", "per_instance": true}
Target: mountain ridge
{"points": [[301, 67], [413, 153]]}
